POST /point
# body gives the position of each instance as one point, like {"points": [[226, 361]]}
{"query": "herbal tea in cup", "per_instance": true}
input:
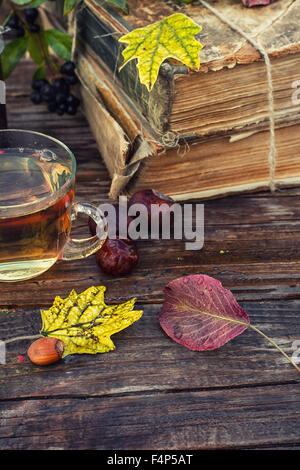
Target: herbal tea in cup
{"points": [[37, 176]]}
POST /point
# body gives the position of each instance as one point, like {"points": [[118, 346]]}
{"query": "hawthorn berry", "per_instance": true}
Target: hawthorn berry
{"points": [[113, 222], [148, 197], [117, 257]]}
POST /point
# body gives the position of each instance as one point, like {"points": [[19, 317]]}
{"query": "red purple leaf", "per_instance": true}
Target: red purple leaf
{"points": [[254, 3], [199, 313]]}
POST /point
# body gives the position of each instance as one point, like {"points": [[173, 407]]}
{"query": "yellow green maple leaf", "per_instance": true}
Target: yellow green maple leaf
{"points": [[172, 37], [84, 323]]}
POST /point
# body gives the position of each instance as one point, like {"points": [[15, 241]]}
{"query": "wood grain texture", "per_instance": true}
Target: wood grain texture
{"points": [[151, 393], [189, 420], [146, 360]]}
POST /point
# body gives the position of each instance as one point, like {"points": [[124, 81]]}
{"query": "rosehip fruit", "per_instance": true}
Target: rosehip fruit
{"points": [[117, 256], [113, 223], [149, 197]]}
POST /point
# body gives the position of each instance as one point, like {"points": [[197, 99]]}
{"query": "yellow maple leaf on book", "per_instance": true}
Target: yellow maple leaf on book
{"points": [[172, 37]]}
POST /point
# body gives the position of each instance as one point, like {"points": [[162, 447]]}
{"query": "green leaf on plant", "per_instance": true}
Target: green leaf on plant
{"points": [[44, 43], [33, 4], [21, 2], [40, 73], [13, 52], [69, 5], [171, 37], [6, 20], [119, 3], [60, 42], [34, 49]]}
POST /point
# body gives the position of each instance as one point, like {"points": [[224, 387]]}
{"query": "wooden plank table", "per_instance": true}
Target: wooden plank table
{"points": [[151, 393]]}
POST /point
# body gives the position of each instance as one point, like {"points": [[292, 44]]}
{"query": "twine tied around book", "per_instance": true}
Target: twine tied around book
{"points": [[263, 52], [172, 140]]}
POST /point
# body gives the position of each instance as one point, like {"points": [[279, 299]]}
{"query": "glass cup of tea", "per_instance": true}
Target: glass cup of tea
{"points": [[37, 177]]}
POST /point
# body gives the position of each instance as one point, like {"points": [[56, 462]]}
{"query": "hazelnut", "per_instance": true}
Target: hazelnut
{"points": [[45, 351]]}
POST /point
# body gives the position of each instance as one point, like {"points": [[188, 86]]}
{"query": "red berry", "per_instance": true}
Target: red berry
{"points": [[148, 197], [117, 256], [113, 225]]}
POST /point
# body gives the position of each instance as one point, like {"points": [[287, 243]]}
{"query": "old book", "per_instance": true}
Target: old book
{"points": [[196, 134], [230, 90], [205, 167]]}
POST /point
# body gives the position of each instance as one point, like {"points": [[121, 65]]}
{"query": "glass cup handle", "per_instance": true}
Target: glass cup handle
{"points": [[81, 248]]}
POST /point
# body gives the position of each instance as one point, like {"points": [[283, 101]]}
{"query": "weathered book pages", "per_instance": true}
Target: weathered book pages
{"points": [[230, 90], [206, 167], [201, 134]]}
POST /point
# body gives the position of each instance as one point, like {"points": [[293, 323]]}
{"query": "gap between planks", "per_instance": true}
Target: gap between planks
{"points": [[146, 393]]}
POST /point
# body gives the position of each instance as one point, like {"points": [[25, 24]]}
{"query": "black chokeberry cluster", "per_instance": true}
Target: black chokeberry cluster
{"points": [[14, 24], [68, 69], [57, 94], [31, 15]]}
